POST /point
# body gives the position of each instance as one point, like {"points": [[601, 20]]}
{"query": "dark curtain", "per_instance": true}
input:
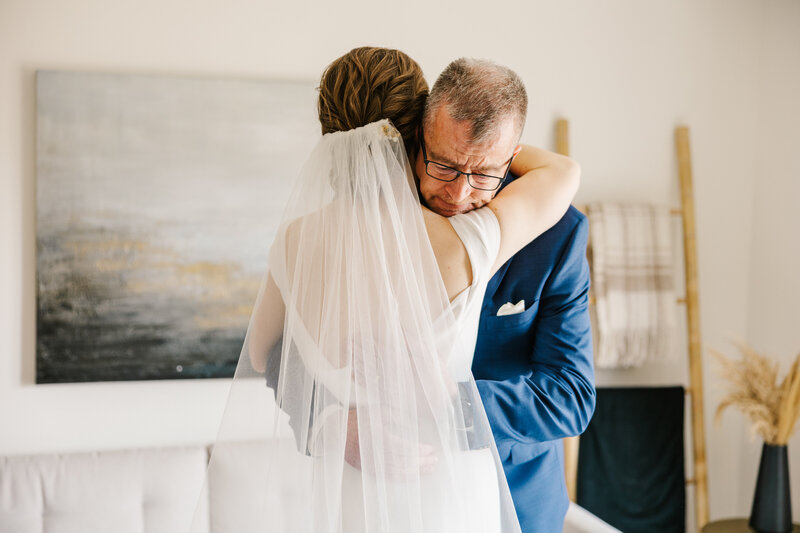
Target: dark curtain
{"points": [[631, 460]]}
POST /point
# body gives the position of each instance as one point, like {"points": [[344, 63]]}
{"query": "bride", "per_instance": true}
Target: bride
{"points": [[368, 318]]}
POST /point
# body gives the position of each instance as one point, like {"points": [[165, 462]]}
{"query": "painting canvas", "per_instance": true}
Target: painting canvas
{"points": [[157, 200]]}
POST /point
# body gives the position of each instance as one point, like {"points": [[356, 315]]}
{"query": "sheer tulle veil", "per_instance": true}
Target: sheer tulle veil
{"points": [[354, 333]]}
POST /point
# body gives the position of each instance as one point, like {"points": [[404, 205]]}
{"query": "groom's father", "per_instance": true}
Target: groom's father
{"points": [[533, 360]]}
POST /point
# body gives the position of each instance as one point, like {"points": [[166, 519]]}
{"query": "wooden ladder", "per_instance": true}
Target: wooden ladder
{"points": [[695, 390]]}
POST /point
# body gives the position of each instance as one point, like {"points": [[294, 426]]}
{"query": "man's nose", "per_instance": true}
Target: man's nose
{"points": [[458, 189]]}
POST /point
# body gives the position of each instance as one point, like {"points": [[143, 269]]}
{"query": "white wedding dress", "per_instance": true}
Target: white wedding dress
{"points": [[369, 337], [476, 472]]}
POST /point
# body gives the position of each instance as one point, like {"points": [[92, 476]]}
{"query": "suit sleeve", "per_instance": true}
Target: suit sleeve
{"points": [[556, 398]]}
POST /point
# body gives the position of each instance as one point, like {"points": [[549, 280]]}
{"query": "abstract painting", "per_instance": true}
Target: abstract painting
{"points": [[157, 200]]}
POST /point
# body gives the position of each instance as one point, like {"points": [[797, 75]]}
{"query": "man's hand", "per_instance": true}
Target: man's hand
{"points": [[398, 459]]}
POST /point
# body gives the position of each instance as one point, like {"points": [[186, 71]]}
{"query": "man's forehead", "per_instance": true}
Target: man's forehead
{"points": [[449, 141], [457, 151], [449, 154]]}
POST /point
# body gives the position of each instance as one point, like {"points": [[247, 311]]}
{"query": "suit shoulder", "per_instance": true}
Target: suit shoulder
{"points": [[573, 218], [569, 235], [573, 224]]}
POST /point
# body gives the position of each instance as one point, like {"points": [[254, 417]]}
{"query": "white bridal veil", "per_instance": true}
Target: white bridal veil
{"points": [[354, 332]]}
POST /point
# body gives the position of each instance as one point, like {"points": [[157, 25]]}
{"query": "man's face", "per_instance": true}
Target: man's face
{"points": [[447, 141]]}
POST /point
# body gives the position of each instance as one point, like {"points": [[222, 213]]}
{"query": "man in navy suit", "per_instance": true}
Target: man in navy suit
{"points": [[533, 359]]}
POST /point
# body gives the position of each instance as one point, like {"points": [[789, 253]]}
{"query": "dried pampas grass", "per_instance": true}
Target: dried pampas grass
{"points": [[753, 389]]}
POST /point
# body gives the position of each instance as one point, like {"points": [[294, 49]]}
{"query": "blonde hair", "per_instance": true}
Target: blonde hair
{"points": [[369, 84]]}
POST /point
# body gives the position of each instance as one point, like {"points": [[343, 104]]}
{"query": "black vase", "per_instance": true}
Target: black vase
{"points": [[772, 505]]}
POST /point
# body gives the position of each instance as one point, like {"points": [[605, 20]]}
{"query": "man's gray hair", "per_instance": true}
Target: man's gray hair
{"points": [[480, 91]]}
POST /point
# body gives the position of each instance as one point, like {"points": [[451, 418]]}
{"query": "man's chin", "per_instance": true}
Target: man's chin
{"points": [[448, 210]]}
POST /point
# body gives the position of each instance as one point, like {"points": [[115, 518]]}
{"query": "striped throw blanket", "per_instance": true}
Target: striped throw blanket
{"points": [[631, 258]]}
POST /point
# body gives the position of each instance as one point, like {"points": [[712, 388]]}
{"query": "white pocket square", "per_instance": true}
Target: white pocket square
{"points": [[511, 309]]}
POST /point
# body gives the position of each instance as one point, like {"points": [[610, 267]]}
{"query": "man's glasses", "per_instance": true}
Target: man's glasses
{"points": [[438, 171]]}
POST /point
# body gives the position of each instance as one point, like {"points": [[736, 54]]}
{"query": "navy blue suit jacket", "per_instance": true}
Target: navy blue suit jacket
{"points": [[534, 369]]}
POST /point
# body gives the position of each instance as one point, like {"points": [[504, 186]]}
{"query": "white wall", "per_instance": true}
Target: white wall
{"points": [[625, 72], [774, 302]]}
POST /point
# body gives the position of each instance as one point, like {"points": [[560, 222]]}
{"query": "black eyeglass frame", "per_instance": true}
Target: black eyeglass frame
{"points": [[458, 172]]}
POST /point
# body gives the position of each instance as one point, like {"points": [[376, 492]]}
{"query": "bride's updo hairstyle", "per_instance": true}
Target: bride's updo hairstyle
{"points": [[368, 84]]}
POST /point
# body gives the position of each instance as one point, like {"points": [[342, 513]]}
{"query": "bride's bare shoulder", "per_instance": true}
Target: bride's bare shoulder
{"points": [[440, 231], [451, 255]]}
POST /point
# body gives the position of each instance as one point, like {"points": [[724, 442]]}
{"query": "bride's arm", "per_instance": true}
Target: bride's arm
{"points": [[267, 325], [535, 201]]}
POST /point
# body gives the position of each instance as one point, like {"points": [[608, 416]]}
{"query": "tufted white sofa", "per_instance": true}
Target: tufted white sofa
{"points": [[152, 491], [134, 491]]}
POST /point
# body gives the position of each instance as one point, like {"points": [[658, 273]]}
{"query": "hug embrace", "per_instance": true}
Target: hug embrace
{"points": [[424, 323]]}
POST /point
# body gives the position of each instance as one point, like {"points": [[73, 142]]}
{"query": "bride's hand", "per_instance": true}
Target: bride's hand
{"points": [[398, 459]]}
